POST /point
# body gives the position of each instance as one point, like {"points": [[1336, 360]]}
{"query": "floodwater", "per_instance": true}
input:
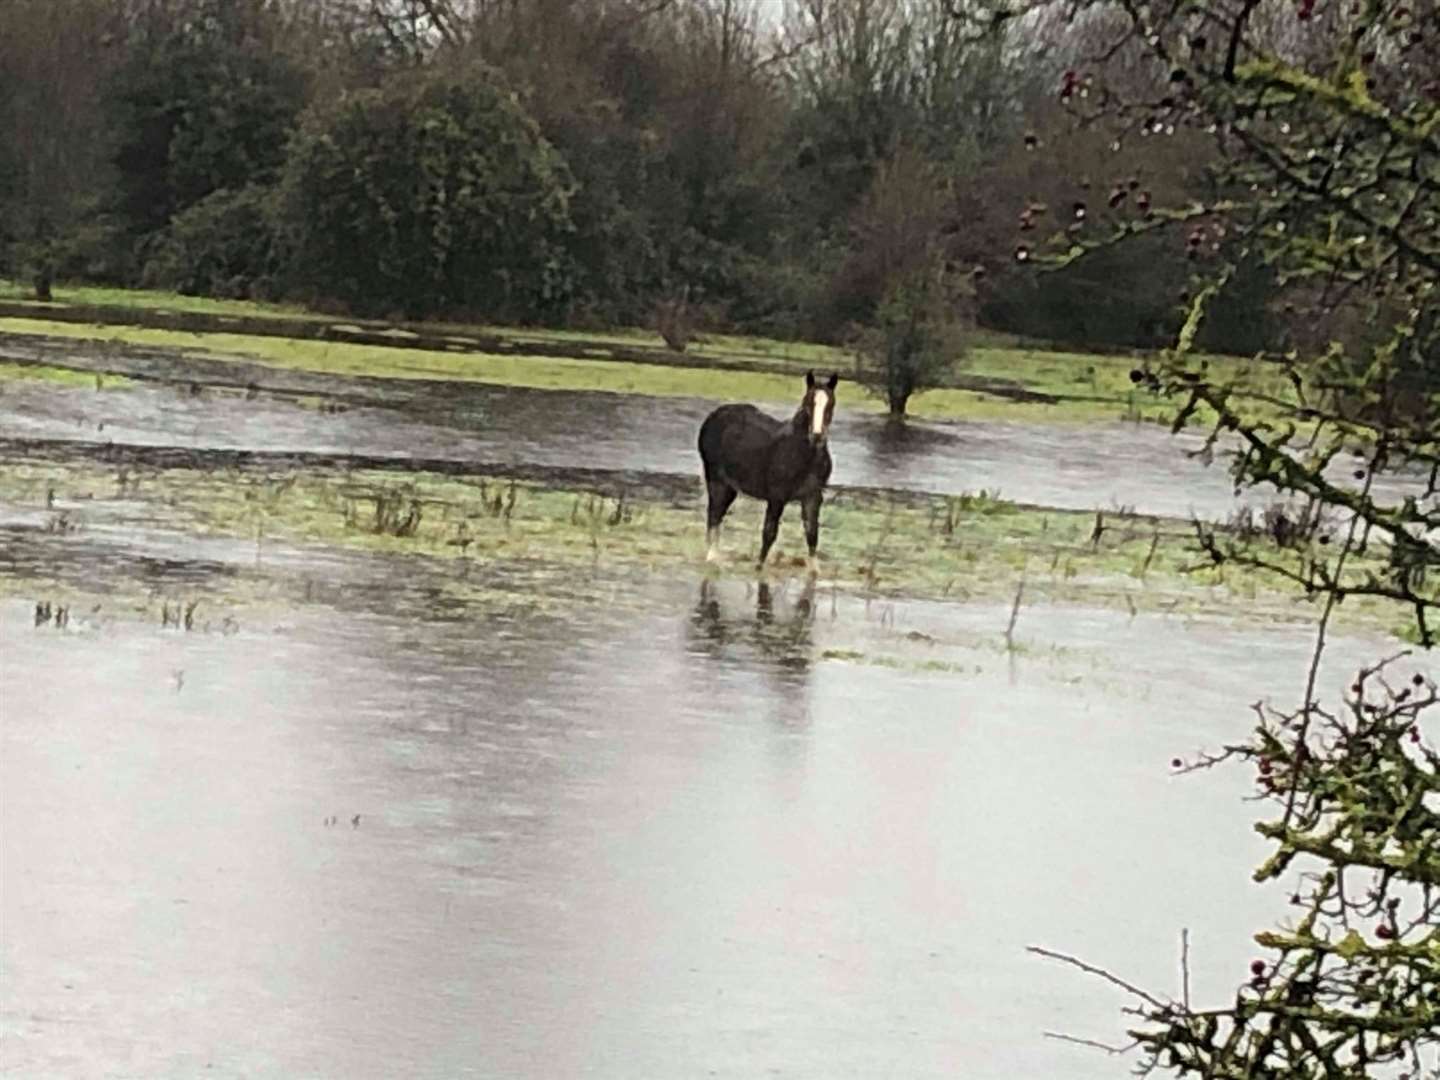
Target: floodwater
{"points": [[677, 827], [1100, 466], [665, 836], [1140, 467]]}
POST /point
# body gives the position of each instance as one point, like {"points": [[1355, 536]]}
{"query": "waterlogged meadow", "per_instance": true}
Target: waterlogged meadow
{"points": [[379, 717], [968, 547]]}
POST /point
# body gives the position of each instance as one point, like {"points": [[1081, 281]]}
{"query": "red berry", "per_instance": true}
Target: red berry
{"points": [[1257, 967], [1385, 931], [1176, 763]]}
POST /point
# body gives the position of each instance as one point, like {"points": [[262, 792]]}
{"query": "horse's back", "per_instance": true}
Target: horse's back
{"points": [[733, 430]]}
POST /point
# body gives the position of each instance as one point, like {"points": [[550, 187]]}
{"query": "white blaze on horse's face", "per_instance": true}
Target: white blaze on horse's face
{"points": [[818, 408]]}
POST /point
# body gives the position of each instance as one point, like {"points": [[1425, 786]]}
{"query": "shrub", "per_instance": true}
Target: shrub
{"points": [[225, 245], [434, 194], [913, 343]]}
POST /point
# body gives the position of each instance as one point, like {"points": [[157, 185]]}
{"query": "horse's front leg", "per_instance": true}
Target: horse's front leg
{"points": [[810, 508], [773, 513]]}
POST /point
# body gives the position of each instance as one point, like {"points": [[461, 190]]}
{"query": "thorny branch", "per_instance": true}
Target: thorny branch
{"points": [[1328, 177]]}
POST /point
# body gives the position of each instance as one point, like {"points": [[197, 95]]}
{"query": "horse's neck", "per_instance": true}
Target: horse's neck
{"points": [[800, 422]]}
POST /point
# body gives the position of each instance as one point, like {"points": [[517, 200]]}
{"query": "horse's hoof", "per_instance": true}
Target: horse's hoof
{"points": [[812, 567]]}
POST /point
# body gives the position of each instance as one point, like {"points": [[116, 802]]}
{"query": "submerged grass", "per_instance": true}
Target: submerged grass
{"points": [[488, 531]]}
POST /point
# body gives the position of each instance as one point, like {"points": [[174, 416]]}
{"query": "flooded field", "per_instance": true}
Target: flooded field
{"points": [[1098, 467], [310, 803]]}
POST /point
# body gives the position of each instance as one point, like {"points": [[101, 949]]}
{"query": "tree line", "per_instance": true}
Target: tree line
{"points": [[814, 168]]}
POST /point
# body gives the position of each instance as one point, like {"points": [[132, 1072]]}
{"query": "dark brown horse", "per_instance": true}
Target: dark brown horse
{"points": [[777, 461]]}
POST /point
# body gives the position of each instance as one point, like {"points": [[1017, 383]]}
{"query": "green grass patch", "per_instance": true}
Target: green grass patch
{"points": [[60, 376], [1088, 387], [551, 373], [148, 299]]}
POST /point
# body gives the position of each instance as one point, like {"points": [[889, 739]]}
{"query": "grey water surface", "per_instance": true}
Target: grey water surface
{"points": [[668, 838]]}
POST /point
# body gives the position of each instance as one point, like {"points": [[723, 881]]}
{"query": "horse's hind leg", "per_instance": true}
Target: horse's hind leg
{"points": [[721, 495], [773, 512]]}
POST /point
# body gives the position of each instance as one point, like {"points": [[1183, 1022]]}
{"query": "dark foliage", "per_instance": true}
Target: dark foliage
{"points": [[204, 100], [435, 194], [228, 244]]}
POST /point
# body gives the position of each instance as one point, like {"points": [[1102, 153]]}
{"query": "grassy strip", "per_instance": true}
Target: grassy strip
{"points": [[151, 299], [1089, 387], [605, 376], [60, 376], [799, 353]]}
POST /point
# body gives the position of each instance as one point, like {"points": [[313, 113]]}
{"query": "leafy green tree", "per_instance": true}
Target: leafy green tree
{"points": [[435, 193]]}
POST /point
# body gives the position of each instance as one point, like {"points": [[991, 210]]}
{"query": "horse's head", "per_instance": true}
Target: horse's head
{"points": [[818, 407]]}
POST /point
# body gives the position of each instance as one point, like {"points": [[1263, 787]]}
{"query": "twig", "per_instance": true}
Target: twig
{"points": [[1089, 1042], [1090, 969], [1149, 555], [1331, 598], [1014, 614], [1185, 966]]}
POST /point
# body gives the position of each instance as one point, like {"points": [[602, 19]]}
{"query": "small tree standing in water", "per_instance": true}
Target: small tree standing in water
{"points": [[915, 342], [894, 285], [1326, 124]]}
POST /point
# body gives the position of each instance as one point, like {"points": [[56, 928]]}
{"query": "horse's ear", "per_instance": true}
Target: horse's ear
{"points": [[834, 378], [809, 380]]}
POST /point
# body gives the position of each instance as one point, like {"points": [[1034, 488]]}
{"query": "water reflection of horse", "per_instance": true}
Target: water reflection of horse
{"points": [[785, 641], [777, 461]]}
